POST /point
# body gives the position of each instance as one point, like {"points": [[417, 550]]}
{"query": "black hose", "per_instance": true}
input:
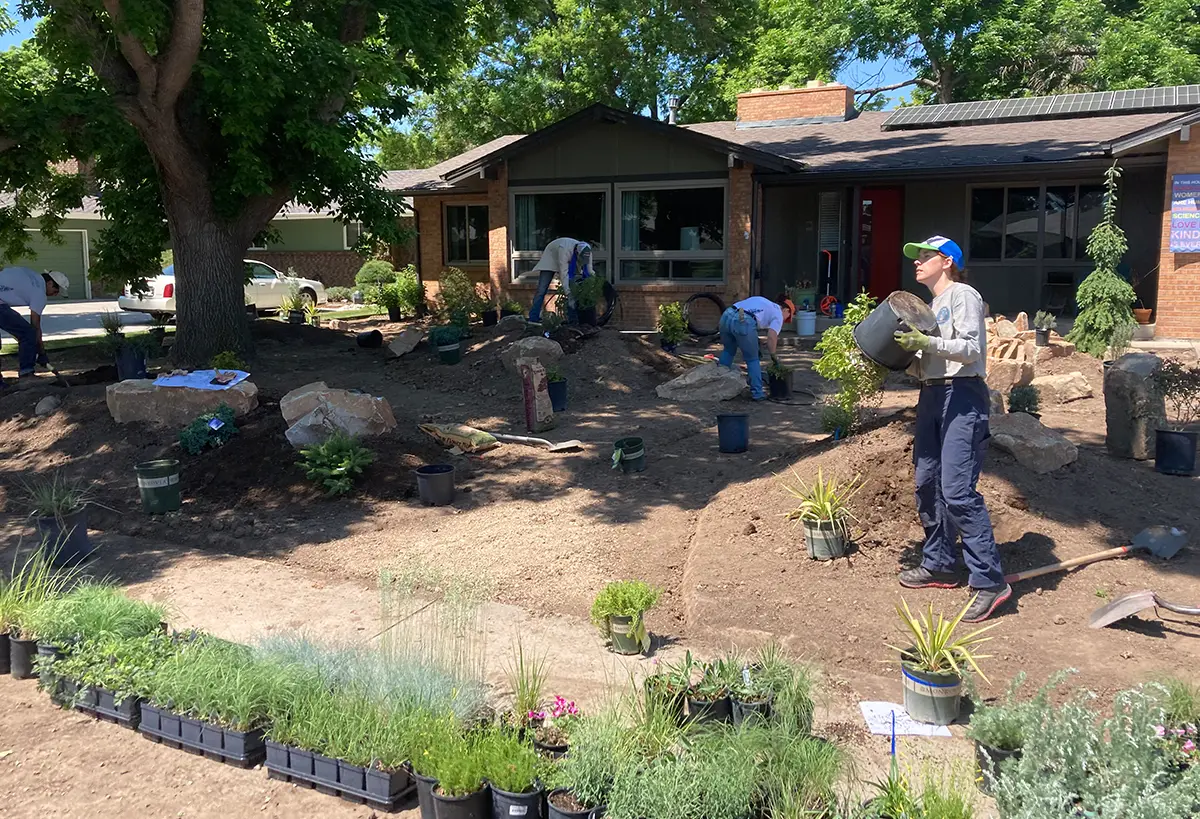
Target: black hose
{"points": [[610, 293], [687, 312]]}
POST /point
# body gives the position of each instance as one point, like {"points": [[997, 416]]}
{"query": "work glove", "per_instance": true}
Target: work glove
{"points": [[913, 341], [43, 359]]}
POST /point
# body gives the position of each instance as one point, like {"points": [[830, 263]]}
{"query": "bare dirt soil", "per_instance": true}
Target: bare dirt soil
{"points": [[549, 530]]}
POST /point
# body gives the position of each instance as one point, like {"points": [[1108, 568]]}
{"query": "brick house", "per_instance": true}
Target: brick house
{"points": [[802, 190]]}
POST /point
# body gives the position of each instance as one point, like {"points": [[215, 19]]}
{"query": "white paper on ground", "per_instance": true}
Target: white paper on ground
{"points": [[879, 721]]}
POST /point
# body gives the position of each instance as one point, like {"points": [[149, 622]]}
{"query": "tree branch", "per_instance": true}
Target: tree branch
{"points": [[895, 86], [259, 211], [135, 54], [187, 29]]}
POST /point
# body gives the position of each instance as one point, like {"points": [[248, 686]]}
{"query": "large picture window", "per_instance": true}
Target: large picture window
{"points": [[466, 234], [1032, 222], [672, 234], [541, 216]]}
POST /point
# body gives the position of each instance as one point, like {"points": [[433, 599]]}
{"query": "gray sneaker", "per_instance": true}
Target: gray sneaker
{"points": [[986, 603], [922, 578]]}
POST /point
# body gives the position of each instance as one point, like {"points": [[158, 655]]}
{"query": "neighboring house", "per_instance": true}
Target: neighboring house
{"points": [[802, 187], [316, 245]]}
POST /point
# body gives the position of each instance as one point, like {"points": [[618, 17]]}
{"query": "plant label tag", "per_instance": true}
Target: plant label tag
{"points": [[215, 424], [746, 675], [518, 810]]}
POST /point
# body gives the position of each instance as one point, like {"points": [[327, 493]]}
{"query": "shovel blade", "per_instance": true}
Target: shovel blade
{"points": [[1124, 606], [1161, 541], [566, 446]]}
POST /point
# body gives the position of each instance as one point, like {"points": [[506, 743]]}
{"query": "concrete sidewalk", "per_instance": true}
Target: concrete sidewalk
{"points": [[80, 319]]}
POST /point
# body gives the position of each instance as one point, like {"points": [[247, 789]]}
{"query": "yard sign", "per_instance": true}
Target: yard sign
{"points": [[1185, 213]]}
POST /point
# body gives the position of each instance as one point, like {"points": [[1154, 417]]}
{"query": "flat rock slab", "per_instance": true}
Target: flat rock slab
{"points": [[1036, 448], [329, 411], [708, 382], [1062, 389], [1003, 375], [407, 341], [139, 400]]}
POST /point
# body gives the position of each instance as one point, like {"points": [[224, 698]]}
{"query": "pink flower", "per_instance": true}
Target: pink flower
{"points": [[1160, 731], [1179, 732], [1189, 746]]}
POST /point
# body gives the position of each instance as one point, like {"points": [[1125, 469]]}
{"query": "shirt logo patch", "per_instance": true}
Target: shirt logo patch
{"points": [[943, 315]]}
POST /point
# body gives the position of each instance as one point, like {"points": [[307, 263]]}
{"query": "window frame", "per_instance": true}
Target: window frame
{"points": [[670, 255], [466, 206], [346, 243], [515, 256], [1040, 258]]}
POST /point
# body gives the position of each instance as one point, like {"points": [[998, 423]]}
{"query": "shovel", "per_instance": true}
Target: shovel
{"points": [[565, 446], [1159, 541], [1130, 604]]}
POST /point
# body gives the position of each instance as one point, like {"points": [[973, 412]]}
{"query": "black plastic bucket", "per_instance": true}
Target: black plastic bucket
{"points": [[733, 432], [370, 340], [558, 395], [875, 335], [629, 454], [66, 538], [5, 659], [131, 363], [1175, 452], [435, 484], [21, 655]]}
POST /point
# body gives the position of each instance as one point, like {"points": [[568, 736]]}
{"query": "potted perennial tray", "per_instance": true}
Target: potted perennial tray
{"points": [[618, 612], [242, 747], [1175, 445], [448, 341], [376, 783], [932, 665], [824, 512]]}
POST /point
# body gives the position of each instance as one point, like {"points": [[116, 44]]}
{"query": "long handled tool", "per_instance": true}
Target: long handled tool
{"points": [[1159, 541], [1130, 604], [565, 446]]}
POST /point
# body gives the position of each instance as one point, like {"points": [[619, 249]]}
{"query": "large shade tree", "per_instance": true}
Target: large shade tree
{"points": [[200, 119]]}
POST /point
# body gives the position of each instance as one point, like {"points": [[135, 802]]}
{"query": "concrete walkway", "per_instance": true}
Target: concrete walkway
{"points": [[80, 319]]}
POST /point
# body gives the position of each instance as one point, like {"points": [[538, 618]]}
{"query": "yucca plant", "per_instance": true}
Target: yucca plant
{"points": [[935, 646], [825, 500]]}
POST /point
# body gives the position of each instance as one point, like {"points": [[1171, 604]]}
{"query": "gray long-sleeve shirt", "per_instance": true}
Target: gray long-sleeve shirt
{"points": [[960, 348]]}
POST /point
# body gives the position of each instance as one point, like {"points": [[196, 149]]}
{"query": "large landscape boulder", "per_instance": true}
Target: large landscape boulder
{"points": [[509, 323], [543, 349], [996, 403], [1003, 375], [708, 382], [1133, 408], [314, 413], [1061, 389], [138, 400], [1036, 448]]}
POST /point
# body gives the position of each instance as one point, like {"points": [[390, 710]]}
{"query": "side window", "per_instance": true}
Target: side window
{"points": [[263, 272]]}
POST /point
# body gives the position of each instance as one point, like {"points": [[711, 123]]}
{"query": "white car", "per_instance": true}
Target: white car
{"points": [[265, 288]]}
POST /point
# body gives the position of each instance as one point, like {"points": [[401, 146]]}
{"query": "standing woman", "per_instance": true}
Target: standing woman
{"points": [[952, 433]]}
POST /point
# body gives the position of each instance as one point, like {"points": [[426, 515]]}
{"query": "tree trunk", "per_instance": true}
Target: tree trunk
{"points": [[210, 281]]}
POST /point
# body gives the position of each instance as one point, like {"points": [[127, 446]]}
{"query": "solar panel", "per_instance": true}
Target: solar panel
{"points": [[1094, 103]]}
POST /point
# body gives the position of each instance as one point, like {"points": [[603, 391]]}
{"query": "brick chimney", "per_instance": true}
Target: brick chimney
{"points": [[817, 102]]}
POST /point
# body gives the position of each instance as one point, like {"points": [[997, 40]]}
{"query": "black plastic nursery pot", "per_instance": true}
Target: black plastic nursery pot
{"points": [[558, 395], [131, 363], [252, 311], [825, 539], [242, 749], [630, 454], [158, 484], [624, 642], [504, 313], [388, 785], [101, 702], [369, 340], [476, 805], [930, 697], [336, 777], [425, 786], [562, 804], [551, 751], [21, 655], [1175, 452], [987, 765], [295, 316], [587, 315], [875, 335], [744, 711], [435, 484], [50, 681], [1041, 338], [68, 536], [5, 659], [491, 318], [780, 388], [702, 710], [530, 804], [450, 353], [394, 314]]}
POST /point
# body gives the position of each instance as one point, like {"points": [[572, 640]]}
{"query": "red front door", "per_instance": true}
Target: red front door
{"points": [[881, 240]]}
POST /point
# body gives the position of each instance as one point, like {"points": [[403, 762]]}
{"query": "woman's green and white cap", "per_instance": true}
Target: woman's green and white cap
{"points": [[938, 244]]}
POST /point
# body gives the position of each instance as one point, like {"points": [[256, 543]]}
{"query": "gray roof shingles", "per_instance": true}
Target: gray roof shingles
{"points": [[428, 179]]}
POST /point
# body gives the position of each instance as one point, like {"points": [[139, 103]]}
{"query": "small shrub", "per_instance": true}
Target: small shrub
{"points": [[201, 434], [551, 322], [338, 293], [376, 271], [110, 321], [779, 371], [836, 419], [555, 374], [624, 598], [337, 463], [672, 326], [1044, 321], [411, 289], [1179, 385], [514, 307], [385, 296], [1024, 399], [1105, 299], [445, 335], [227, 360], [587, 291], [859, 380], [457, 295]]}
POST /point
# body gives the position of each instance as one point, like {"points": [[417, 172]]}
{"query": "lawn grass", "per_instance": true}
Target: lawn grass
{"points": [[9, 346]]}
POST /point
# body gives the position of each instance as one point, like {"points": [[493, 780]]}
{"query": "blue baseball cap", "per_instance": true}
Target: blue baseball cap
{"points": [[938, 244]]}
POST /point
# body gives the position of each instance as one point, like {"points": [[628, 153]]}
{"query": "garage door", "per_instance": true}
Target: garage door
{"points": [[68, 257]]}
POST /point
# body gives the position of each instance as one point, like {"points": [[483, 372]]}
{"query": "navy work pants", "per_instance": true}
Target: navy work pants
{"points": [[16, 326], [952, 433]]}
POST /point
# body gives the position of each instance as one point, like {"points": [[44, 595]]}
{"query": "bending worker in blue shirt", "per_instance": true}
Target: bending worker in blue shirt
{"points": [[739, 331]]}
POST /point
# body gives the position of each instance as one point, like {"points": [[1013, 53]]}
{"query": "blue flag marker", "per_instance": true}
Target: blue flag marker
{"points": [[215, 424]]}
